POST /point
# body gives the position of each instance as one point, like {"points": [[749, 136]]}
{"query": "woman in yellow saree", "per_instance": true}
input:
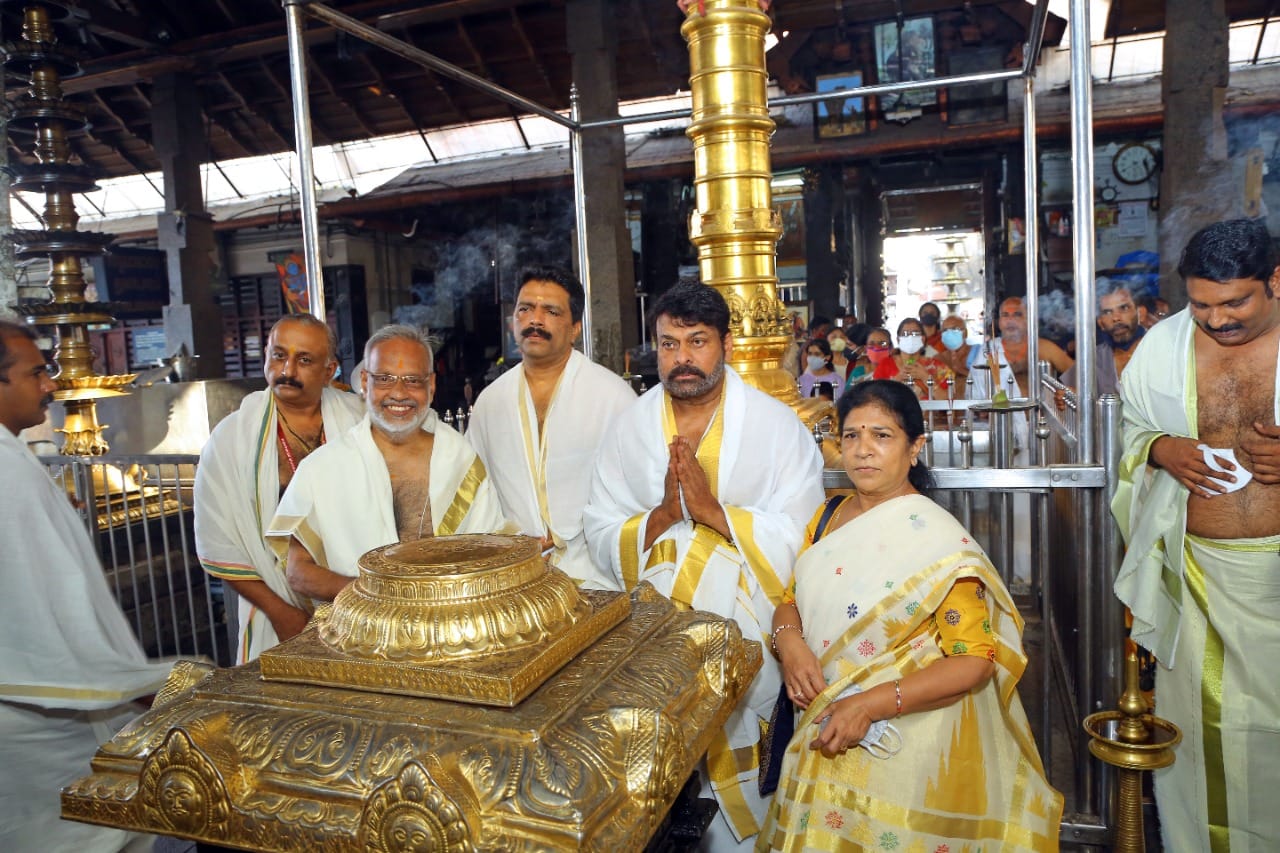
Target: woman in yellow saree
{"points": [[897, 599]]}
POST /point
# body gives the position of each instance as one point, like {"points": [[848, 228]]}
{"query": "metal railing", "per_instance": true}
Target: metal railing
{"points": [[138, 511]]}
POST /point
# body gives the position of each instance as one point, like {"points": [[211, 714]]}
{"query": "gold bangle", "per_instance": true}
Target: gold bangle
{"points": [[773, 642], [897, 692]]}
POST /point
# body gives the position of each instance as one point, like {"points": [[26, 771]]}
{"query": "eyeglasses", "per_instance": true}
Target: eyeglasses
{"points": [[911, 335], [389, 380]]}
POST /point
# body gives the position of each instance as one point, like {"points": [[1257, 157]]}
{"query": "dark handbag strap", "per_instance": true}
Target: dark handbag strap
{"points": [[833, 503]]}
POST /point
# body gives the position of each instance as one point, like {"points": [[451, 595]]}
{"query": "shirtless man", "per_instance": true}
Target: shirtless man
{"points": [[1202, 521], [1011, 348], [398, 475]]}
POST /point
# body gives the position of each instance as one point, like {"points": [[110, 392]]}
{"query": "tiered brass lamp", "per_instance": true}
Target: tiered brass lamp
{"points": [[1133, 741], [735, 227], [43, 114], [459, 695]]}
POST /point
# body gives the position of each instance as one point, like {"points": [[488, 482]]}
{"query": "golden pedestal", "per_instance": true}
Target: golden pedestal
{"points": [[591, 759]]}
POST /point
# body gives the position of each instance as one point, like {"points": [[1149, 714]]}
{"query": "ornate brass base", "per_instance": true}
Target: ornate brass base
{"points": [[591, 760]]}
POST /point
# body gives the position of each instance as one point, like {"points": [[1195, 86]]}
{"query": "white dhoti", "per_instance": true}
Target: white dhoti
{"points": [[236, 492], [69, 663], [339, 504], [1207, 610], [766, 471], [543, 477]]}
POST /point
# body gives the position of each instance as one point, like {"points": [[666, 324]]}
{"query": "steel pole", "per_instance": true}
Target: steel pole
{"points": [[1082, 231], [1031, 245], [306, 168], [580, 214]]}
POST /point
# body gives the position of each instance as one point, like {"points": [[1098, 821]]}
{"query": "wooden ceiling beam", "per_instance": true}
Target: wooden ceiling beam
{"points": [[438, 83], [126, 127], [518, 25], [259, 40], [397, 96], [282, 136], [317, 68], [319, 133]]}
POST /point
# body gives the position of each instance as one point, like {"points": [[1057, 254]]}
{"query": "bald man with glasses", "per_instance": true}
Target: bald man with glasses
{"points": [[398, 475]]}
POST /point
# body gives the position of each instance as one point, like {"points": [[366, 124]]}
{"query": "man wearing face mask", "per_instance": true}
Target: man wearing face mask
{"points": [[955, 350], [396, 476], [930, 315]]}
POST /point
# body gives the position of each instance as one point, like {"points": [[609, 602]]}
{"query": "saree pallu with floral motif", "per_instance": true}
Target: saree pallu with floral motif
{"points": [[968, 776]]}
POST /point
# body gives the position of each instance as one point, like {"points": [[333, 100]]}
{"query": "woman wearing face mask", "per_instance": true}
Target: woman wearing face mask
{"points": [[912, 363], [818, 366], [956, 351], [841, 349], [876, 350]]}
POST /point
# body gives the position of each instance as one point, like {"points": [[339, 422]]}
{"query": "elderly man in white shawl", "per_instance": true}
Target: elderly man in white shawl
{"points": [[398, 475], [70, 665], [246, 465], [1199, 505], [703, 489], [538, 426]]}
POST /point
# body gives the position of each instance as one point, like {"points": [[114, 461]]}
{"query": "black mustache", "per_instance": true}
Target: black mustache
{"points": [[1229, 327], [285, 380], [690, 370], [46, 400], [534, 331]]}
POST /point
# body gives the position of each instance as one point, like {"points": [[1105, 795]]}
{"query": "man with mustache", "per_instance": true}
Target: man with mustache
{"points": [[398, 475], [71, 666], [537, 427], [249, 460], [703, 489], [1121, 332], [1199, 505]]}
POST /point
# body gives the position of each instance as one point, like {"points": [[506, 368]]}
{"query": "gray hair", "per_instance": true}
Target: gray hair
{"points": [[402, 332], [1105, 286], [313, 322]]}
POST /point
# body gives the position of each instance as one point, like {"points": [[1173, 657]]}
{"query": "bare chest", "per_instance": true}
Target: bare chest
{"points": [[1232, 394], [411, 494]]}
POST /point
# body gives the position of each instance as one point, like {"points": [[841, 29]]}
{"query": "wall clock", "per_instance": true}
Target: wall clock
{"points": [[1135, 163]]}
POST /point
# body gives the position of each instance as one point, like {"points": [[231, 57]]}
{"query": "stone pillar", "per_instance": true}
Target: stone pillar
{"points": [[593, 46], [822, 202], [185, 230], [1196, 183]]}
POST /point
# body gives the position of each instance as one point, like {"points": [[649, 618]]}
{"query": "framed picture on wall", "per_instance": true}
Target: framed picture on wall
{"points": [[905, 51], [839, 116], [791, 257], [979, 103]]}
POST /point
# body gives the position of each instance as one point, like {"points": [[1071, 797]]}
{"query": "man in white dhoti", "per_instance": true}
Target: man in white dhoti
{"points": [[537, 427], [398, 475], [703, 489], [1199, 505], [246, 465], [70, 667]]}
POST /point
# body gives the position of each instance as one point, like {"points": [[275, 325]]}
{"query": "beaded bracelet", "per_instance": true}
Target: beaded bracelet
{"points": [[773, 642], [897, 691]]}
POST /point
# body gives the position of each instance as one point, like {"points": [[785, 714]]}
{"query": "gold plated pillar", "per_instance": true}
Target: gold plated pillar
{"points": [[735, 227], [50, 120], [1133, 741]]}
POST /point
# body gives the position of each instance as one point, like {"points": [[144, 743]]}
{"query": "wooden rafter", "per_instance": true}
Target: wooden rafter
{"points": [[317, 68], [518, 26], [225, 119], [438, 83], [318, 131], [397, 96], [126, 127], [282, 135]]}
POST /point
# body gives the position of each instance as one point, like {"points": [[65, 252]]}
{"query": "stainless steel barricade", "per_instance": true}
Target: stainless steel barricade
{"points": [[138, 511]]}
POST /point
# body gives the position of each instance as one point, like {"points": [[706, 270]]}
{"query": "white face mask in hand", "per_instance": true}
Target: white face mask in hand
{"points": [[882, 740]]}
